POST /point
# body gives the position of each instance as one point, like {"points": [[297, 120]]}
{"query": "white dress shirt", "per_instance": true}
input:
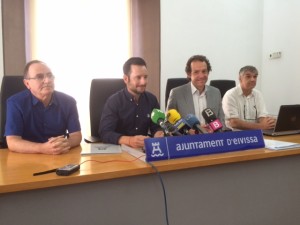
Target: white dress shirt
{"points": [[248, 108], [200, 103]]}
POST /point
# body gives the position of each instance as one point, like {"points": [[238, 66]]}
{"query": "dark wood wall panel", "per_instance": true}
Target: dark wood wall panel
{"points": [[146, 38], [13, 29]]}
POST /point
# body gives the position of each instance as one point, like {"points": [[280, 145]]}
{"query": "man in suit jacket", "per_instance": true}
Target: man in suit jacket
{"points": [[195, 96]]}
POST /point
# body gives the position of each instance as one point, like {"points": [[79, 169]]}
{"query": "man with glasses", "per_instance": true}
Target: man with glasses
{"points": [[40, 119], [244, 106], [126, 116]]}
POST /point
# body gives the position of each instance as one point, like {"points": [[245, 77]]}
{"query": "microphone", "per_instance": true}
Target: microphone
{"points": [[158, 117], [173, 130], [194, 123], [180, 124], [212, 120]]}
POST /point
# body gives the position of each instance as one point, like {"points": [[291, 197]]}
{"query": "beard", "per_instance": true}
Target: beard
{"points": [[136, 89]]}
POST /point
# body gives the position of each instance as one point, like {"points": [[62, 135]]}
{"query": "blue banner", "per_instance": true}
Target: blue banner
{"points": [[202, 144]]}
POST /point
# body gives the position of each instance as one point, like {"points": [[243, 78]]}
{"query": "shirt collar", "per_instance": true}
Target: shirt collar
{"points": [[130, 96], [240, 92], [35, 101], [195, 90]]}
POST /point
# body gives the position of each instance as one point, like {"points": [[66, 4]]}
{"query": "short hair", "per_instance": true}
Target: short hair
{"points": [[251, 69], [202, 58], [27, 66], [133, 61]]}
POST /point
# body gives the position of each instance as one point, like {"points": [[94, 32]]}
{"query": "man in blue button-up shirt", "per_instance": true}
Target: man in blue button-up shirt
{"points": [[39, 119], [126, 117]]}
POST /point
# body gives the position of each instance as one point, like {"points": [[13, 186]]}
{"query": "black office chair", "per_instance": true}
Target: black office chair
{"points": [[100, 90], [10, 86], [222, 85], [172, 83]]}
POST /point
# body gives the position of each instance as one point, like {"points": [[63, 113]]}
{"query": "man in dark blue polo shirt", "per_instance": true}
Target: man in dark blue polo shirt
{"points": [[126, 117], [39, 119]]}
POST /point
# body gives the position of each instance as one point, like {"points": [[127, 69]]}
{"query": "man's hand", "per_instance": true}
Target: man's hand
{"points": [[137, 141], [54, 146], [57, 145], [268, 123], [207, 127], [159, 133]]}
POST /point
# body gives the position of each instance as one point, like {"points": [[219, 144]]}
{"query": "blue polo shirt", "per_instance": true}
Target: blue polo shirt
{"points": [[27, 117], [122, 116]]}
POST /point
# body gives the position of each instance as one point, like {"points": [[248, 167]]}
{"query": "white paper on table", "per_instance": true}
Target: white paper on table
{"points": [[138, 153], [280, 145], [101, 148]]}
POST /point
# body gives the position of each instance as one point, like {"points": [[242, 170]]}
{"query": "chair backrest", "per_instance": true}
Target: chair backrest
{"points": [[10, 86], [172, 83], [100, 90], [223, 85]]}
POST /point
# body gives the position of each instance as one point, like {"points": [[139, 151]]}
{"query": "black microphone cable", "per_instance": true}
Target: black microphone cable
{"points": [[164, 191]]}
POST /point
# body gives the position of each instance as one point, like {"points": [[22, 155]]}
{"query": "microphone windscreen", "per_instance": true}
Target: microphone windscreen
{"points": [[173, 116], [216, 125], [211, 118], [192, 120], [209, 115], [157, 115], [194, 123]]}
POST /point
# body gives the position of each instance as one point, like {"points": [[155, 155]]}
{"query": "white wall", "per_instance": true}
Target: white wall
{"points": [[231, 34], [228, 33], [280, 77]]}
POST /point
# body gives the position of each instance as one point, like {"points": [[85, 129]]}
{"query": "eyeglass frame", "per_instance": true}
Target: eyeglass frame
{"points": [[41, 77]]}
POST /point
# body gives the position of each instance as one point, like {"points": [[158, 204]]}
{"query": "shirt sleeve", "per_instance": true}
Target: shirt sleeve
{"points": [[73, 119], [108, 123], [261, 106], [230, 106], [14, 122], [221, 114]]}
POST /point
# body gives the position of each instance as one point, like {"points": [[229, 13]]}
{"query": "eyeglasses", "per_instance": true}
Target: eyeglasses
{"points": [[245, 118], [41, 77]]}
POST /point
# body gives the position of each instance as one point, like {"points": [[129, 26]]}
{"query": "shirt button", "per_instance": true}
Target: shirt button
{"points": [[136, 128], [137, 116]]}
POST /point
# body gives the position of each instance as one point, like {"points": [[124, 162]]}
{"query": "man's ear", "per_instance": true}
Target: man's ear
{"points": [[26, 83], [125, 78], [240, 78], [188, 75]]}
